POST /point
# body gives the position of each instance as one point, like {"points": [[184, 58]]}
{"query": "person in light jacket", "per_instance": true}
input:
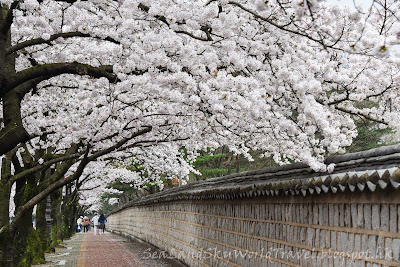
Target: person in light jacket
{"points": [[96, 223], [79, 222]]}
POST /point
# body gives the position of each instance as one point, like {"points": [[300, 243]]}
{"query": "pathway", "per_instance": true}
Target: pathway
{"points": [[106, 250]]}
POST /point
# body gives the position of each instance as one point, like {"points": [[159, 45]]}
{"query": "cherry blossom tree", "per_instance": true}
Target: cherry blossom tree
{"points": [[85, 81], [147, 168]]}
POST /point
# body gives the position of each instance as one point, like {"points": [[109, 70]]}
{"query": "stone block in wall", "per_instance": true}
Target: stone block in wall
{"points": [[333, 240], [325, 261], [341, 215], [266, 212], [336, 261], [336, 217], [367, 216], [384, 217], [256, 208], [393, 218], [372, 245], [268, 230], [310, 236], [288, 212], [295, 238], [354, 215], [331, 213], [375, 216], [360, 215], [314, 258], [291, 233], [339, 241], [310, 216], [364, 243], [317, 238], [350, 244], [284, 232], [320, 259], [302, 235], [388, 253], [396, 250], [322, 235], [398, 218], [279, 230], [315, 214], [323, 214], [343, 241], [296, 212], [272, 233], [380, 247], [271, 213], [279, 210], [303, 213], [347, 215], [328, 239]]}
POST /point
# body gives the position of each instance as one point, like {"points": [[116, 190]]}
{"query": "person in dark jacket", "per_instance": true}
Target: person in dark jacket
{"points": [[102, 222]]}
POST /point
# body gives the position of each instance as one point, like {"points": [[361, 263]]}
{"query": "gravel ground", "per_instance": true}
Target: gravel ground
{"points": [[106, 250]]}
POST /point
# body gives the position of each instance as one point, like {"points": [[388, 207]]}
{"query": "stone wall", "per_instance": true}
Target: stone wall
{"points": [[342, 229]]}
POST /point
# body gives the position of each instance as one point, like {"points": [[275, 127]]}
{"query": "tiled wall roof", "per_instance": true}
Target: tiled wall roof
{"points": [[376, 169]]}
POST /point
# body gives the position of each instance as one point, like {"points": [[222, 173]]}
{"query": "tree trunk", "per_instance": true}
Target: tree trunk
{"points": [[56, 234], [67, 213], [6, 237], [41, 225], [22, 252], [5, 253], [41, 222], [13, 131], [238, 163], [27, 252]]}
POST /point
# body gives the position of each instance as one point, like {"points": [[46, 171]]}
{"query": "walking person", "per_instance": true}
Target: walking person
{"points": [[79, 222], [96, 223], [102, 222], [86, 224]]}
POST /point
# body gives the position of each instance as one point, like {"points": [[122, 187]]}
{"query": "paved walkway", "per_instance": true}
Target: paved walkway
{"points": [[106, 250]]}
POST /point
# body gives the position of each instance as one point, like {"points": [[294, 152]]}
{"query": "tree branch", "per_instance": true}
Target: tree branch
{"points": [[206, 29], [53, 37], [44, 71], [119, 144], [279, 26], [44, 165], [359, 114]]}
